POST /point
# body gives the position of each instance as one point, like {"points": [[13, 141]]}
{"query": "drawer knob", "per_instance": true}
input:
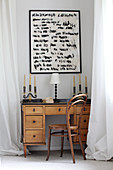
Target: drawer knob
{"points": [[84, 134], [85, 120], [33, 109], [34, 121], [34, 136], [59, 109]]}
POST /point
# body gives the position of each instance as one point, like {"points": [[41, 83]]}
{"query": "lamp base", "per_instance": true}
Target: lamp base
{"points": [[55, 91], [56, 100]]}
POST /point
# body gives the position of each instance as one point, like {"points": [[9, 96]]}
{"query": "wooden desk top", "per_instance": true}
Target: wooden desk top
{"points": [[39, 102]]}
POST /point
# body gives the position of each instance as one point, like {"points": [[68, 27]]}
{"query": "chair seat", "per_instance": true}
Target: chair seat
{"points": [[62, 127], [58, 126], [73, 127]]}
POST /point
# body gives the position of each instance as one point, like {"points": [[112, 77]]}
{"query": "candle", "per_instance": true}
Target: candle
{"points": [[24, 87], [73, 81], [30, 83], [85, 81], [35, 84], [79, 79], [24, 79], [30, 79], [74, 88], [34, 81]]}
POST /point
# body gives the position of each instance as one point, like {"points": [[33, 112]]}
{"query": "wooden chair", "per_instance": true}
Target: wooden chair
{"points": [[68, 129]]}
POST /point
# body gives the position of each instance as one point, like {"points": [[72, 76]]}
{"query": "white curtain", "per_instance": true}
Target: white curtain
{"points": [[9, 90], [100, 133]]}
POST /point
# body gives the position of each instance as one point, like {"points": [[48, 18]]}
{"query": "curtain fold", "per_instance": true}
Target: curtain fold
{"points": [[10, 117], [100, 138]]}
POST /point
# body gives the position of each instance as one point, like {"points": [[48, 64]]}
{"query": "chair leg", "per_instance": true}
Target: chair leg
{"points": [[49, 141], [71, 146], [81, 146], [62, 143]]}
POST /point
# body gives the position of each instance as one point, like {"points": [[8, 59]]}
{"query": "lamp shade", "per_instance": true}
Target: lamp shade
{"points": [[55, 78]]}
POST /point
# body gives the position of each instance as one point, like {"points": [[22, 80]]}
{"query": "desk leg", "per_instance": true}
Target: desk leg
{"points": [[25, 148]]}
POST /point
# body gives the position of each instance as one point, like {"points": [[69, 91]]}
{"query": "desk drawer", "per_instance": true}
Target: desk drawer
{"points": [[86, 110], [33, 121], [84, 121], [57, 110], [33, 136], [83, 136], [33, 110]]}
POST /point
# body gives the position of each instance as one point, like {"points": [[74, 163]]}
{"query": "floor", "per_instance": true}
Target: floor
{"points": [[36, 160]]}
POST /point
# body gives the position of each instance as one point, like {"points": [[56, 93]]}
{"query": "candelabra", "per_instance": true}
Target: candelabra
{"points": [[80, 91], [29, 95]]}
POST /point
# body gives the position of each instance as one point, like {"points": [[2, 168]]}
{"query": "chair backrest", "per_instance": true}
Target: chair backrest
{"points": [[78, 99]]}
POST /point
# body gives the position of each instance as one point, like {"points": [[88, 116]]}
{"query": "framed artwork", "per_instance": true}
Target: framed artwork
{"points": [[55, 41]]}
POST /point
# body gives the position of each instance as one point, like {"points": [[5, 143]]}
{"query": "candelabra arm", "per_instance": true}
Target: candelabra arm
{"points": [[29, 94]]}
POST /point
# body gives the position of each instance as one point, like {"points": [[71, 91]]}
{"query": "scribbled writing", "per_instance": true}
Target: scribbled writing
{"points": [[55, 41]]}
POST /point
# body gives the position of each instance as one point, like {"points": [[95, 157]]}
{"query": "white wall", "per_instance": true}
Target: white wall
{"points": [[44, 87]]}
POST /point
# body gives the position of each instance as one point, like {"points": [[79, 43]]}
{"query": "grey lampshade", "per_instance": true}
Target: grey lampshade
{"points": [[55, 78]]}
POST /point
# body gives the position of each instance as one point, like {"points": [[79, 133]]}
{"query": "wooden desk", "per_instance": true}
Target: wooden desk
{"points": [[33, 121]]}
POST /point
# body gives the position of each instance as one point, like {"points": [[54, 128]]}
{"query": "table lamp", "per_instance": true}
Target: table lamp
{"points": [[55, 80]]}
